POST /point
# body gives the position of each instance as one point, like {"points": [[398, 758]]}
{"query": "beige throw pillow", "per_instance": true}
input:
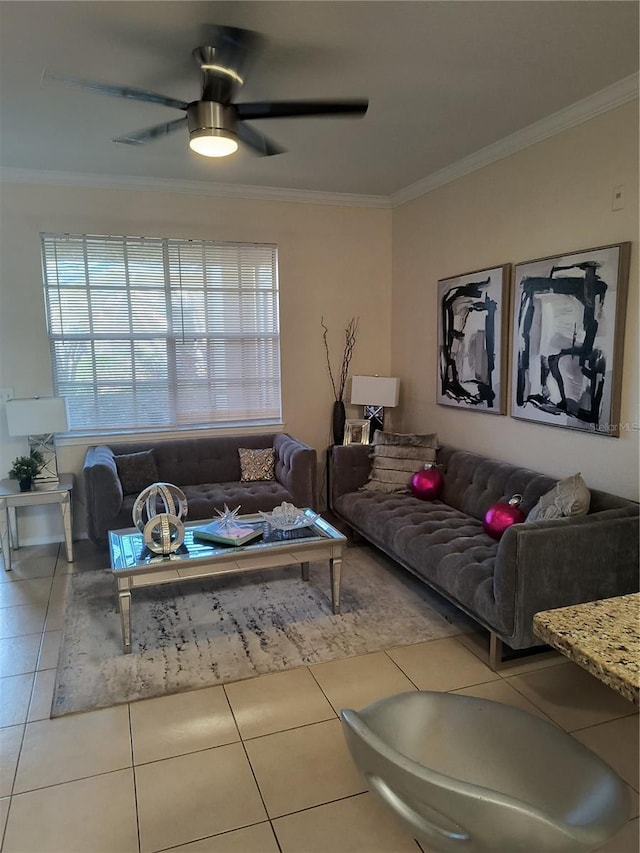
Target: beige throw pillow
{"points": [[568, 497], [397, 457], [257, 464]]}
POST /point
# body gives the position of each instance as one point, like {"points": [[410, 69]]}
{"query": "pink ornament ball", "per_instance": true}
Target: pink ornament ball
{"points": [[427, 484], [502, 515]]}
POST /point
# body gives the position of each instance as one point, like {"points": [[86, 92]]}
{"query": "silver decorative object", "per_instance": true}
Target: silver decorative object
{"points": [[288, 517], [163, 531]]}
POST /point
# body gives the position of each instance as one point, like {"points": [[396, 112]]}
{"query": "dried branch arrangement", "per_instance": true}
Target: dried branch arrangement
{"points": [[350, 338]]}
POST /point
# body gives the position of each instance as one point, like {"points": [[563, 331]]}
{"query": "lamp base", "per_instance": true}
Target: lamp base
{"points": [[375, 416], [45, 445]]}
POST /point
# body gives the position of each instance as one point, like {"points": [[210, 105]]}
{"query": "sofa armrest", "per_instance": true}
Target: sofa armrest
{"points": [[549, 564], [103, 492], [297, 470], [349, 467]]}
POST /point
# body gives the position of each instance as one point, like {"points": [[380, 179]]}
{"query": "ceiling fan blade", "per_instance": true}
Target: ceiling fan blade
{"points": [[139, 137], [258, 141], [118, 91], [293, 109]]}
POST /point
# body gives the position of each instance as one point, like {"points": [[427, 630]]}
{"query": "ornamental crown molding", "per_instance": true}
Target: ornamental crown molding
{"points": [[169, 185], [594, 105]]}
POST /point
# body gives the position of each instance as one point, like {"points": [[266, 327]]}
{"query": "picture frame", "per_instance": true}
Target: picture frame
{"points": [[356, 431], [568, 322], [473, 332]]}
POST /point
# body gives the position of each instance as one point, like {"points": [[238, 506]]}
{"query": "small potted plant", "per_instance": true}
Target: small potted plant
{"points": [[25, 468]]}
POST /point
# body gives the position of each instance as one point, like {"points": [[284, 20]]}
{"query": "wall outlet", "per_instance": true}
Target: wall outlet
{"points": [[617, 198], [6, 394]]}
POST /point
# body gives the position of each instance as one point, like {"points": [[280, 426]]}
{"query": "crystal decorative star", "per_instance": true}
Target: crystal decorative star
{"points": [[229, 516]]}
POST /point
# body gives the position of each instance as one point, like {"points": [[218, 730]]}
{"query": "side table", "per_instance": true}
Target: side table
{"points": [[48, 493]]}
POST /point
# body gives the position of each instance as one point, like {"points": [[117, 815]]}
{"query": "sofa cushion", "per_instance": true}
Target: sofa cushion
{"points": [[136, 471], [473, 483], [568, 497], [396, 457], [442, 545], [205, 499], [252, 497], [257, 464], [209, 459]]}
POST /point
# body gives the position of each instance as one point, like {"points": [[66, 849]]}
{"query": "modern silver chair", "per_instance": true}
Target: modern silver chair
{"points": [[467, 774]]}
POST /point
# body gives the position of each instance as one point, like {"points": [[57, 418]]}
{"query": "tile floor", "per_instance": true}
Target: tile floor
{"points": [[257, 766]]}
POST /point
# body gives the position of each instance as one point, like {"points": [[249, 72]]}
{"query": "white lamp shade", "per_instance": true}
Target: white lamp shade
{"points": [[37, 415], [375, 391]]}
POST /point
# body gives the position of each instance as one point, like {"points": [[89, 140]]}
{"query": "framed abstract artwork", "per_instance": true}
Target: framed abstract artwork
{"points": [[472, 340], [568, 335]]}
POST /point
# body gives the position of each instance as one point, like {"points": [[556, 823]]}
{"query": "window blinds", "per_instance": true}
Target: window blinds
{"points": [[154, 333]]}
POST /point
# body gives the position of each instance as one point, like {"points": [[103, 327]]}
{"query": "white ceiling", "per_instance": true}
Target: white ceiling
{"points": [[444, 79]]}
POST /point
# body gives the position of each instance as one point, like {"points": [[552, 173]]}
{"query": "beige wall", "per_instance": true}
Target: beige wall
{"points": [[333, 261], [552, 198]]}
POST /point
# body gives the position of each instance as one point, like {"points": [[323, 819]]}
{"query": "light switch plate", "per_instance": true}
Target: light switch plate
{"points": [[617, 198]]}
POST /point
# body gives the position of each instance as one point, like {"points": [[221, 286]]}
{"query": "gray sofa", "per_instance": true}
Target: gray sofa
{"points": [[208, 472], [535, 566]]}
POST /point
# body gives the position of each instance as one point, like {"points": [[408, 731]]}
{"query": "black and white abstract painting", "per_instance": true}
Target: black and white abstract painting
{"points": [[472, 328], [568, 327]]}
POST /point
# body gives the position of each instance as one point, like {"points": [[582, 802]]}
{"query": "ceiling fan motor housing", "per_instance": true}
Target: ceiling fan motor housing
{"points": [[209, 115]]}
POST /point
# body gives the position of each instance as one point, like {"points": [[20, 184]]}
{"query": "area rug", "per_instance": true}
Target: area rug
{"points": [[200, 633]]}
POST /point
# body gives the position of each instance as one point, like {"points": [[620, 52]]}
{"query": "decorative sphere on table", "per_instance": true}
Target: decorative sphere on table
{"points": [[163, 531], [427, 484], [502, 515]]}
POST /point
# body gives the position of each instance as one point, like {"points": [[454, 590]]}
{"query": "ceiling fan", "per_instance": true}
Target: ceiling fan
{"points": [[215, 122]]}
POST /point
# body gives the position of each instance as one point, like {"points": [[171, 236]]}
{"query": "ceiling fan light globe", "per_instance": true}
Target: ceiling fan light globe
{"points": [[213, 142]]}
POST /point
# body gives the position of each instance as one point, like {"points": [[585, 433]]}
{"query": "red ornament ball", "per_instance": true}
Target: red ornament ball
{"points": [[427, 484], [502, 515]]}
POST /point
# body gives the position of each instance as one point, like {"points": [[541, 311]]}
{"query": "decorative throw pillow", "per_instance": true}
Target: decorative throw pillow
{"points": [[257, 464], [396, 458], [136, 471], [568, 497]]}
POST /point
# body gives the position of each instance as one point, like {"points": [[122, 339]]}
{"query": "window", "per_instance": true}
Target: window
{"points": [[162, 334]]}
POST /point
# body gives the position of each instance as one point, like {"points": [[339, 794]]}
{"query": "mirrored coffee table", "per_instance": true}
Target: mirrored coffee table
{"points": [[134, 566]]}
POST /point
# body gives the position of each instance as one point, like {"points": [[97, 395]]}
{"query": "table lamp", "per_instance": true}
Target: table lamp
{"points": [[39, 418], [375, 393]]}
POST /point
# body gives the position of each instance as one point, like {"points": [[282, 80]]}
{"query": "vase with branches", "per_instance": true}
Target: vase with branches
{"points": [[339, 380]]}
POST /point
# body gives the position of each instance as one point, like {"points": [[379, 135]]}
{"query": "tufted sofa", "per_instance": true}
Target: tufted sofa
{"points": [[535, 566], [208, 472]]}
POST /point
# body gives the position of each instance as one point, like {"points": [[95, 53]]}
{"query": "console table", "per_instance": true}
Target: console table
{"points": [[47, 493], [602, 636]]}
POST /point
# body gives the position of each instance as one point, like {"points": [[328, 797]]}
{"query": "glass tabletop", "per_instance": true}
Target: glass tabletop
{"points": [[128, 549]]}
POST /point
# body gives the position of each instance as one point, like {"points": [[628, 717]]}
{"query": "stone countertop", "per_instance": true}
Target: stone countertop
{"points": [[601, 636]]}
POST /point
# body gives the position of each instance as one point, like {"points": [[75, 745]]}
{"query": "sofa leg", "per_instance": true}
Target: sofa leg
{"points": [[495, 652], [501, 657], [498, 655]]}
